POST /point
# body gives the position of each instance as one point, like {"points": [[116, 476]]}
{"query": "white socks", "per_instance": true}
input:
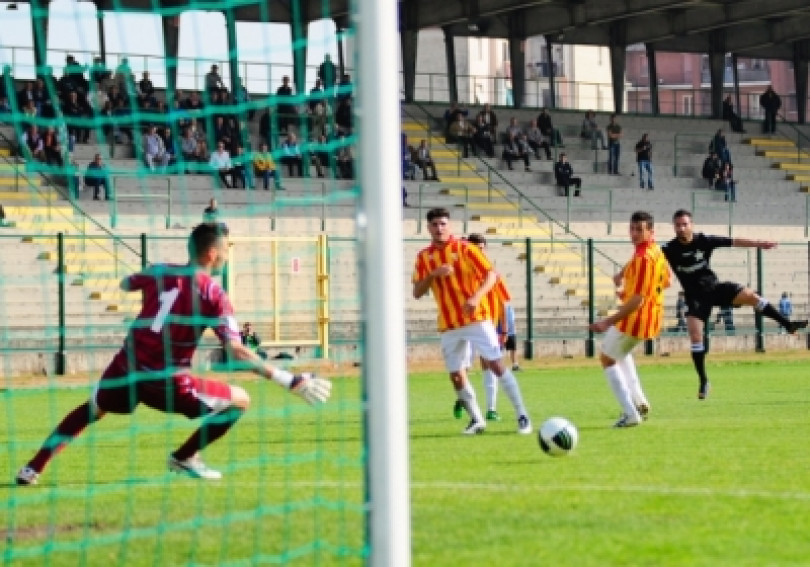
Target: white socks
{"points": [[467, 397], [628, 369], [491, 388], [512, 391], [621, 392]]}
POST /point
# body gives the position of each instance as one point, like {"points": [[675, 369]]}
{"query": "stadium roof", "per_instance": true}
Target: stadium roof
{"points": [[755, 28]]}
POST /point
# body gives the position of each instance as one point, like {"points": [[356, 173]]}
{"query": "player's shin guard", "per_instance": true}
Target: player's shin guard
{"points": [[467, 397], [512, 391], [214, 427], [699, 359]]}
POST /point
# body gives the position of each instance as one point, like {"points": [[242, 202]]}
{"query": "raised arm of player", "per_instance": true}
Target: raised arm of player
{"points": [[747, 243]]}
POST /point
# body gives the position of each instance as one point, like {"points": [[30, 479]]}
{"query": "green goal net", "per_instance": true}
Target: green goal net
{"points": [[127, 127]]}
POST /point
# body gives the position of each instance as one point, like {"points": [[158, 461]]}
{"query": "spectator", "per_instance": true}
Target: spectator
{"points": [[725, 316], [548, 129], [537, 140], [25, 95], [513, 130], [451, 116], [96, 177], [425, 161], [52, 148], [251, 340], [211, 212], [591, 130], [726, 183], [734, 121], [490, 120], [345, 159], [516, 148], [33, 144], [264, 168], [785, 309], [242, 98], [343, 117], [327, 74], [320, 117], [564, 174], [242, 173], [408, 158], [614, 134], [680, 313], [213, 82], [292, 157], [5, 106], [770, 103], [287, 113], [644, 159], [166, 135], [483, 138], [224, 133], [711, 169], [461, 132], [265, 128], [154, 151], [345, 88], [146, 91], [74, 112], [41, 96], [123, 77], [99, 74], [405, 197], [718, 145], [322, 158], [193, 149], [316, 96], [220, 163]]}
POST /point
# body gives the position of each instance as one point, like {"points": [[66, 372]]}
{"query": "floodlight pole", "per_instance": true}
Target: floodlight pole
{"points": [[379, 226]]}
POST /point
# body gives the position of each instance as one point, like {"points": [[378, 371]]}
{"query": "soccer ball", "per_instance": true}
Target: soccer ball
{"points": [[557, 436]]}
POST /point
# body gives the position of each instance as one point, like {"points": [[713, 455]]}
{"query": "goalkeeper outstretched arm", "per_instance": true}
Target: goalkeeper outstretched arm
{"points": [[311, 388]]}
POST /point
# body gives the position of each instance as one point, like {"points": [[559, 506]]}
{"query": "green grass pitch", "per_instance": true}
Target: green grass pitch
{"points": [[717, 482]]}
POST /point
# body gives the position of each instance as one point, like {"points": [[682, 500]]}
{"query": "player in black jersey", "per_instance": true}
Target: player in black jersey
{"points": [[688, 255]]}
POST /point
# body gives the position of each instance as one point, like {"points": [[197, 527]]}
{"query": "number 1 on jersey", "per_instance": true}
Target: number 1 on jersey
{"points": [[167, 299]]}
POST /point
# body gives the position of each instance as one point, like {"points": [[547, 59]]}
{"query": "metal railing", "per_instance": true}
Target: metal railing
{"points": [[117, 196]]}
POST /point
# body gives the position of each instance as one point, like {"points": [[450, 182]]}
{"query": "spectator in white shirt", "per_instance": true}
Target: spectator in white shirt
{"points": [[221, 163]]}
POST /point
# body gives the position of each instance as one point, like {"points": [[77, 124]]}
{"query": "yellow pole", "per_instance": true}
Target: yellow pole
{"points": [[322, 285], [276, 307]]}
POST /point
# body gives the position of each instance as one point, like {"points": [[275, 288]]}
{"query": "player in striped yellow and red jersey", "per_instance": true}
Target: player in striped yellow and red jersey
{"points": [[644, 279], [460, 277]]}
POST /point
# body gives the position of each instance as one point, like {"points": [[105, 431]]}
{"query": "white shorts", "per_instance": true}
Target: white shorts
{"points": [[457, 345], [617, 345]]}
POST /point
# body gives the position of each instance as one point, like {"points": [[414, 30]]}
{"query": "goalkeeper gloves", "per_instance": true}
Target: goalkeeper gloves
{"points": [[311, 388]]}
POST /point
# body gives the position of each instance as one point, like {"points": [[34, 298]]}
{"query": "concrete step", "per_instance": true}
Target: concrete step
{"points": [[770, 142], [782, 154], [792, 166], [32, 197], [798, 177]]}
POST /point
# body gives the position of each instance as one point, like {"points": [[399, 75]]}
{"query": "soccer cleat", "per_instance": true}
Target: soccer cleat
{"points": [[458, 409], [492, 415], [625, 421], [643, 411], [193, 467], [515, 367], [474, 428], [703, 391], [27, 476], [795, 326], [524, 425]]}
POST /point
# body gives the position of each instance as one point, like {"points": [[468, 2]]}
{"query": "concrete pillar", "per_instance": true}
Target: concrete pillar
{"points": [[408, 39], [801, 54], [39, 23], [717, 64], [652, 73], [736, 75], [552, 83], [517, 56], [450, 56], [102, 40], [618, 63], [171, 48], [341, 56], [298, 27]]}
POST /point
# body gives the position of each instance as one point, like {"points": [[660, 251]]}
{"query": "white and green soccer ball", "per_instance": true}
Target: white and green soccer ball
{"points": [[557, 436]]}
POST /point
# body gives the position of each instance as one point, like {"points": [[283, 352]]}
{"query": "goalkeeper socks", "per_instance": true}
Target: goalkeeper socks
{"points": [[768, 310], [699, 359], [214, 427], [490, 388], [69, 428]]}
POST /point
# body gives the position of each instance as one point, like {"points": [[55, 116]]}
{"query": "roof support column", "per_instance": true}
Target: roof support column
{"points": [[736, 75], [233, 51], [801, 55], [39, 23], [552, 84], [517, 56], [717, 64], [298, 29], [102, 40], [618, 63], [171, 48], [450, 56], [652, 74], [409, 37]]}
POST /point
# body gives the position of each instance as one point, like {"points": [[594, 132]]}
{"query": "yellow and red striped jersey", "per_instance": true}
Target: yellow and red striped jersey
{"points": [[470, 268], [497, 297], [647, 275]]}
